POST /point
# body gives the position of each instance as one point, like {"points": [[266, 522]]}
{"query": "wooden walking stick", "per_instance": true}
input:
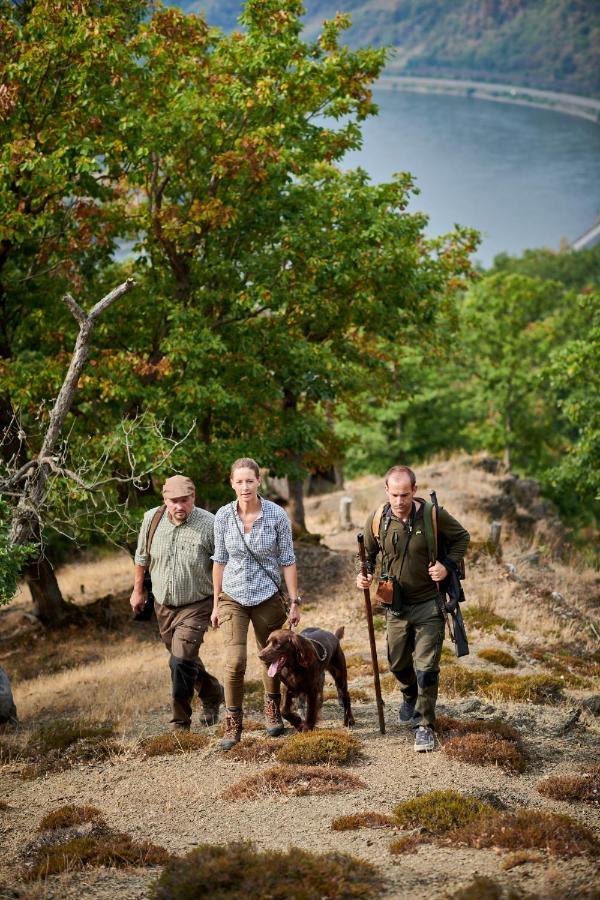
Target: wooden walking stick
{"points": [[369, 612]]}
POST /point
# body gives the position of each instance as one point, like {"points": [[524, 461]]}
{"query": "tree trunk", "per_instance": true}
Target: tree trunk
{"points": [[296, 508], [48, 603]]}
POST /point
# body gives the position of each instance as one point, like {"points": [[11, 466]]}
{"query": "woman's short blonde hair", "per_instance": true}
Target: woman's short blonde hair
{"points": [[245, 462]]}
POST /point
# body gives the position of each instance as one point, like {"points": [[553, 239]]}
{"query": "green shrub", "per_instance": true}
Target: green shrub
{"points": [[239, 870]]}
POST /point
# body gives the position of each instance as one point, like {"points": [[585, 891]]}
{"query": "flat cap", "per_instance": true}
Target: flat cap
{"points": [[178, 486]]}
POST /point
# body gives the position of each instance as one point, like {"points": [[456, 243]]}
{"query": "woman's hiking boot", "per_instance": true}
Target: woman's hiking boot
{"points": [[273, 720], [232, 733]]}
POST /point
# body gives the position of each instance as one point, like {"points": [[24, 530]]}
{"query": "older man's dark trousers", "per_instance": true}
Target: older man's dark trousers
{"points": [[182, 629], [414, 642]]}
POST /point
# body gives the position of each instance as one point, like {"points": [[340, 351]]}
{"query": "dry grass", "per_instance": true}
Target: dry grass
{"points": [[438, 812], [255, 750], [357, 665], [357, 695], [484, 888], [320, 748], [112, 849], [528, 829], [238, 870], [294, 781], [574, 671], [70, 815], [582, 788], [362, 820], [484, 619], [249, 725], [448, 725], [173, 742], [62, 733], [66, 743], [388, 683], [486, 750], [498, 658], [254, 695], [520, 858], [458, 681]]}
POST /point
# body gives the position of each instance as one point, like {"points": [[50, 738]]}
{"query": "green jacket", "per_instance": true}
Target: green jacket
{"points": [[413, 576]]}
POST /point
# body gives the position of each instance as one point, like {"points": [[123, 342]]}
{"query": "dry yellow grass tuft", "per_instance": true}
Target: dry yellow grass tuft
{"points": [[520, 858], [484, 619], [69, 815], [357, 695], [295, 781], [498, 658], [362, 820], [239, 870], [173, 742], [458, 681], [65, 743], [440, 811], [320, 748], [583, 788], [484, 888]]}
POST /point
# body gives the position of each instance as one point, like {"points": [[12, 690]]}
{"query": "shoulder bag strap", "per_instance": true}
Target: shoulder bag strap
{"points": [[153, 526], [254, 557]]}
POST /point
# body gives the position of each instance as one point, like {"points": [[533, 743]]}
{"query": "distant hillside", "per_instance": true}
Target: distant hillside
{"points": [[550, 44]]}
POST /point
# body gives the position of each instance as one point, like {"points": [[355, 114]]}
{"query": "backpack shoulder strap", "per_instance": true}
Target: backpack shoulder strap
{"points": [[376, 523], [431, 529], [153, 526]]}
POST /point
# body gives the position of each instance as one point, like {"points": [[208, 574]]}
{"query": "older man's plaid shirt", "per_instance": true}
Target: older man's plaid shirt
{"points": [[271, 543], [180, 557]]}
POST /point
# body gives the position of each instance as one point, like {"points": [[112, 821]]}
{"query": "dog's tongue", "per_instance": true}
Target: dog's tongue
{"points": [[275, 666]]}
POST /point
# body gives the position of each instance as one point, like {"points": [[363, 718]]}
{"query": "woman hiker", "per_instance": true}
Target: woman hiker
{"points": [[253, 538]]}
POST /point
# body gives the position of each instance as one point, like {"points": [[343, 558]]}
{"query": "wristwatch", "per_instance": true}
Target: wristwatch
{"points": [[297, 600]]}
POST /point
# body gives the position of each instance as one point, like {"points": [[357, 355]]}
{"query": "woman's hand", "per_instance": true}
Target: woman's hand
{"points": [[214, 617], [294, 616]]}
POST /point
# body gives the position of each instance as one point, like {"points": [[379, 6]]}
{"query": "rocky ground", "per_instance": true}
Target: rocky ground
{"points": [[528, 600]]}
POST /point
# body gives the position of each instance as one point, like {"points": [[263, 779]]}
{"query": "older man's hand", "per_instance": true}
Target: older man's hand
{"points": [[437, 571]]}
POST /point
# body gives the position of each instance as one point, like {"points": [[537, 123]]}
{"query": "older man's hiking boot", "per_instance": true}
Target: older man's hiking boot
{"points": [[234, 717], [273, 720], [210, 711]]}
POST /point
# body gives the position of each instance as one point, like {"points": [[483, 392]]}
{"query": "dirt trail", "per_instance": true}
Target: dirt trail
{"points": [[176, 802]]}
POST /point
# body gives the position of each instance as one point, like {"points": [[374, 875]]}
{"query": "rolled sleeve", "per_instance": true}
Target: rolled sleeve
{"points": [[285, 546], [140, 551], [220, 554]]}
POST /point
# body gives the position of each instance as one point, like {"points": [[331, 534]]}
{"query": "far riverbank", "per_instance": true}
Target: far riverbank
{"points": [[569, 104]]}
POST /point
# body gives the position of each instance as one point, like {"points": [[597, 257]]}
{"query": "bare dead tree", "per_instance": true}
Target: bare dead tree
{"points": [[30, 482]]}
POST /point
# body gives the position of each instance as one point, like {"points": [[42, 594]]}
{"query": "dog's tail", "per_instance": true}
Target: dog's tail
{"points": [[340, 633]]}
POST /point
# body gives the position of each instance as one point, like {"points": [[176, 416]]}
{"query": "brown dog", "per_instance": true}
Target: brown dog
{"points": [[301, 661]]}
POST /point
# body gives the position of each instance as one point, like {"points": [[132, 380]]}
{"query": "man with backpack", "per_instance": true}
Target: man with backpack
{"points": [[175, 546], [406, 530]]}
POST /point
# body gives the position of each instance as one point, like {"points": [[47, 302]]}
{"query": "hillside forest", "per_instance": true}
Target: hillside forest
{"points": [[548, 44], [282, 307]]}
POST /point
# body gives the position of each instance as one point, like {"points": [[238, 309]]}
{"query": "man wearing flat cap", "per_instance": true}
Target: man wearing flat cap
{"points": [[179, 564]]}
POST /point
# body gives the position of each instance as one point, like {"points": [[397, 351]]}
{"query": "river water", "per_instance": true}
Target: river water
{"points": [[524, 177]]}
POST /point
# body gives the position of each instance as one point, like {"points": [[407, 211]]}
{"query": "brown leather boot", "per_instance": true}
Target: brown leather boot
{"points": [[234, 717], [273, 719]]}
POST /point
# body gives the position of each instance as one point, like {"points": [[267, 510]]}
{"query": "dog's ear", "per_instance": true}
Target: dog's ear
{"points": [[301, 646]]}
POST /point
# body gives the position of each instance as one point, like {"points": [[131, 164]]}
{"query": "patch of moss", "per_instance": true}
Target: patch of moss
{"points": [[113, 849], [361, 820], [295, 781], [498, 658], [448, 725], [239, 870], [562, 664], [486, 620], [254, 750], [173, 742], [582, 788], [68, 816], [458, 681], [529, 829], [486, 750], [506, 637], [438, 812], [61, 733], [82, 751], [320, 748]]}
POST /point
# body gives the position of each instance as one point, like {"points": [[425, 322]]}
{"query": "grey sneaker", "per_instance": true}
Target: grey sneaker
{"points": [[424, 739], [407, 714]]}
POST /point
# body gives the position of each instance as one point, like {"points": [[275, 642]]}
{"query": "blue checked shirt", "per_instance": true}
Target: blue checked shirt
{"points": [[271, 542]]}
